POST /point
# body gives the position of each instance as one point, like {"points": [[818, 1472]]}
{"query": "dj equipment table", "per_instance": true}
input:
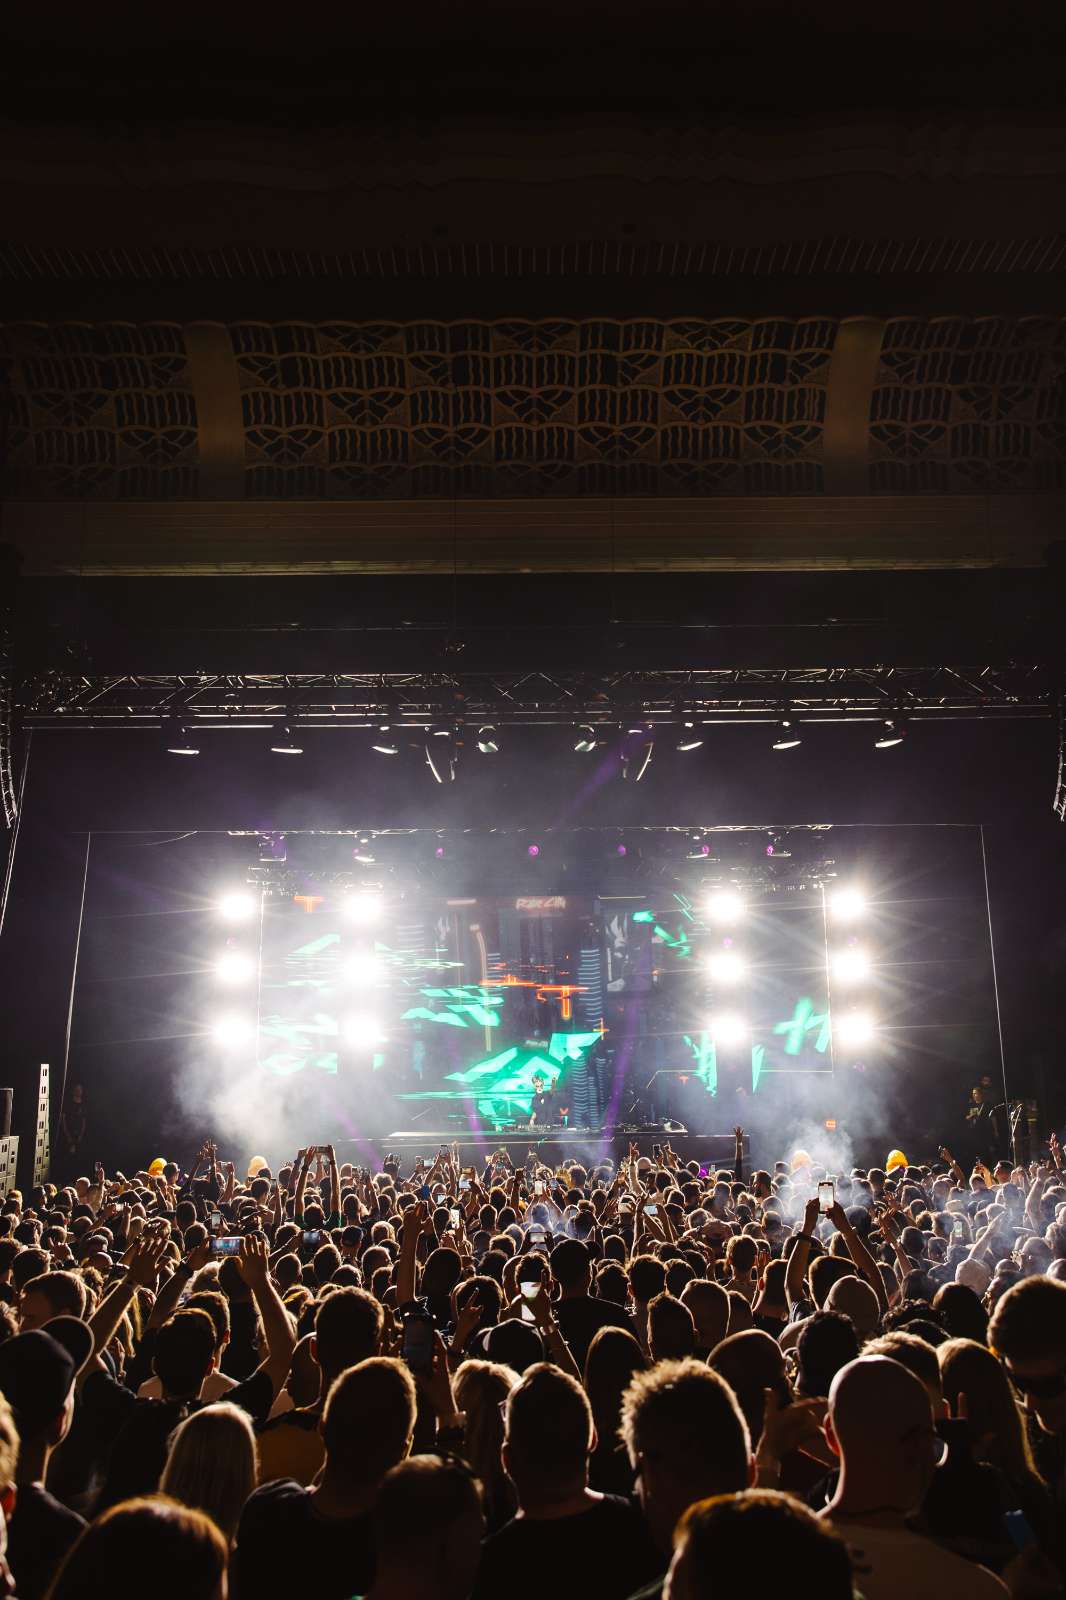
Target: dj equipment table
{"points": [[555, 1145]]}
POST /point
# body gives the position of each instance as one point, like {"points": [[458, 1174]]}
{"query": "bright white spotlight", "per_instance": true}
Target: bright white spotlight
{"points": [[847, 905], [362, 968], [363, 1031], [854, 1027], [238, 906], [892, 733], [724, 906], [363, 908], [726, 967], [851, 966], [728, 1029], [788, 735], [234, 967], [231, 1031]]}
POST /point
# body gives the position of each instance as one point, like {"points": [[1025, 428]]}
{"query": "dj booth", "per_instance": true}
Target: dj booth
{"points": [[557, 1146]]}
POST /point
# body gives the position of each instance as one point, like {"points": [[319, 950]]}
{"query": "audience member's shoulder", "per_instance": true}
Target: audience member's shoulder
{"points": [[282, 1498]]}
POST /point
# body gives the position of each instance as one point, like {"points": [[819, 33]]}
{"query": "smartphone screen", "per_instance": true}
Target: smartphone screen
{"points": [[529, 1288], [958, 1228], [313, 1238], [214, 1221], [464, 1183], [536, 1235], [651, 1211], [538, 1187], [826, 1196], [455, 1216], [418, 1342], [225, 1247]]}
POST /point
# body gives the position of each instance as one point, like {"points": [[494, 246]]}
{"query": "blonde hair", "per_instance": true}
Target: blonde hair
{"points": [[213, 1464], [479, 1388]]}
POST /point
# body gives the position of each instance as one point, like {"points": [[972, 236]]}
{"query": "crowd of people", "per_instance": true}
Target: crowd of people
{"points": [[433, 1381]]}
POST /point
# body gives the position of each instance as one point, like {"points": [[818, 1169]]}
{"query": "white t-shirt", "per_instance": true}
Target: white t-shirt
{"points": [[890, 1562], [214, 1387]]}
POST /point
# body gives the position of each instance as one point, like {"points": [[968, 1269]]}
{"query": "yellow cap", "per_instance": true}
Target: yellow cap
{"points": [[896, 1158]]}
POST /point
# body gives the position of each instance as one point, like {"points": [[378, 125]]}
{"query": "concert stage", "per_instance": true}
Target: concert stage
{"points": [[558, 1145]]}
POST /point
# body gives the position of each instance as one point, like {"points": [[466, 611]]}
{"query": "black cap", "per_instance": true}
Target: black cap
{"points": [[38, 1369]]}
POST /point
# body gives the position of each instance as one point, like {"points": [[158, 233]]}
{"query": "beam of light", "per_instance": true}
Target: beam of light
{"points": [[726, 967], [234, 967], [362, 968], [724, 906], [237, 906], [363, 909], [231, 1031], [854, 1027], [850, 966], [363, 1031], [728, 1029], [847, 904]]}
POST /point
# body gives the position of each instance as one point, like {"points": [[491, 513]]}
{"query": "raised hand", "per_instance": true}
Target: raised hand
{"points": [[254, 1259], [142, 1259]]}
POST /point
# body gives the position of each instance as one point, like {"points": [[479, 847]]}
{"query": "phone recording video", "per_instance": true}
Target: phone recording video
{"points": [[226, 1247], [418, 1340], [827, 1197]]}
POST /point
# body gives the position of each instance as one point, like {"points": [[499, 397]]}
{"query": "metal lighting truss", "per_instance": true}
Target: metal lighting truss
{"points": [[537, 698]]}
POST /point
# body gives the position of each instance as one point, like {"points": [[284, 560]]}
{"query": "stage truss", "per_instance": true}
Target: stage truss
{"points": [[827, 694]]}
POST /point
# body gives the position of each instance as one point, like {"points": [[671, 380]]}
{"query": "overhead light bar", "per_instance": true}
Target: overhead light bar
{"points": [[892, 733], [284, 743], [177, 741]]}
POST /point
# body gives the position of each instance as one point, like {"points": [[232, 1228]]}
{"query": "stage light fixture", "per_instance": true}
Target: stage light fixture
{"points": [[231, 1031], [728, 1029], [363, 968], [363, 908], [285, 743], [636, 759], [726, 967], [850, 966], [724, 906], [487, 741], [363, 1031], [854, 1027], [690, 739], [234, 967], [237, 906], [788, 735], [892, 733], [441, 754], [385, 746], [533, 850], [586, 739], [177, 741], [848, 904]]}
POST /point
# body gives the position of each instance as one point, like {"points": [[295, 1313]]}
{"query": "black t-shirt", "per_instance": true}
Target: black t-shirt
{"points": [[605, 1551], [40, 1531], [281, 1544], [582, 1318]]}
